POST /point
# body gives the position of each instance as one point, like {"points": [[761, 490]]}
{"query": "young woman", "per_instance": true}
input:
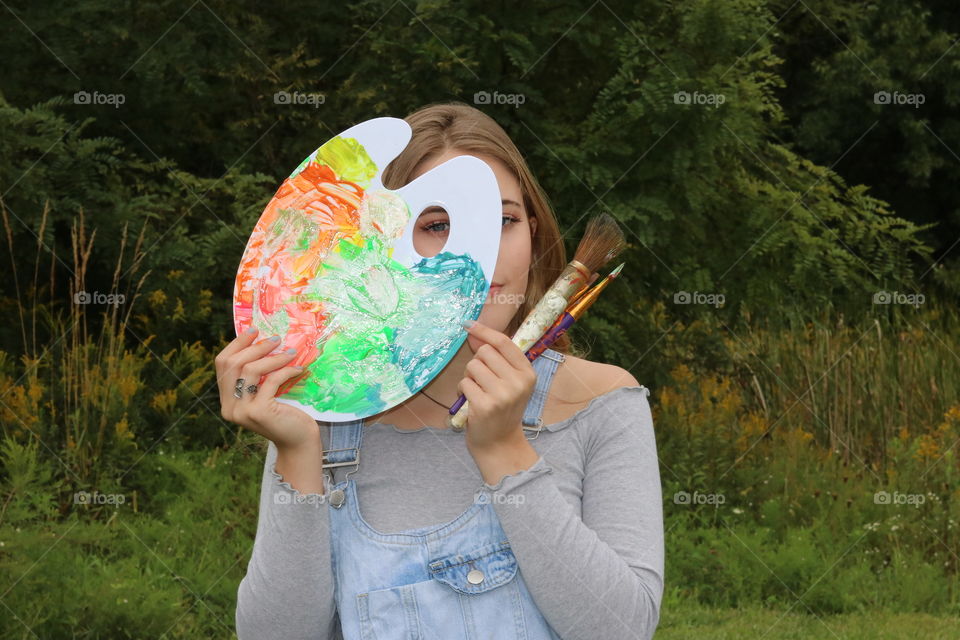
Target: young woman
{"points": [[542, 519]]}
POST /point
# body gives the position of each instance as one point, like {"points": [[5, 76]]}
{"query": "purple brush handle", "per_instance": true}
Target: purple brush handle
{"points": [[459, 403], [552, 335]]}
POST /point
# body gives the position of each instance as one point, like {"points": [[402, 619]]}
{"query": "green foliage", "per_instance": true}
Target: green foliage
{"points": [[118, 571], [711, 199], [28, 488], [838, 56], [789, 192], [820, 479]]}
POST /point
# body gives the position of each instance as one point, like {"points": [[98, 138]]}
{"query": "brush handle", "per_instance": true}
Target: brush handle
{"points": [[553, 303], [456, 405], [552, 335]]}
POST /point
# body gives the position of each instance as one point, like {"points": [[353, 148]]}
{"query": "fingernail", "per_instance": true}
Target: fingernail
{"points": [[291, 350], [298, 368], [251, 330], [275, 338], [467, 324]]}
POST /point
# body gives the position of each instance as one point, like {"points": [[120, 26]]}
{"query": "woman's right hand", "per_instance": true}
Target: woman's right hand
{"points": [[288, 427]]}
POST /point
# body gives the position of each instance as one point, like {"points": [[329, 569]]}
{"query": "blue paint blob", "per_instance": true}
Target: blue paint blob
{"points": [[458, 292]]}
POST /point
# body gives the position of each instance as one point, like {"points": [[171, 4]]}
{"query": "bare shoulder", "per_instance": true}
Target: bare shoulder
{"points": [[578, 381], [597, 378]]}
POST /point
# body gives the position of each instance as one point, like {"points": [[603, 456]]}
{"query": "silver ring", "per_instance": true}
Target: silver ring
{"points": [[252, 389], [238, 388]]}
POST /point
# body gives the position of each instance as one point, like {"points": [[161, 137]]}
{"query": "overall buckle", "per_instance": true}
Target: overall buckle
{"points": [[356, 458], [536, 428]]}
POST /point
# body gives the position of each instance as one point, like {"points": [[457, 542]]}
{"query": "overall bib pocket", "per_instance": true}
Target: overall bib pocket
{"points": [[467, 592], [477, 571]]}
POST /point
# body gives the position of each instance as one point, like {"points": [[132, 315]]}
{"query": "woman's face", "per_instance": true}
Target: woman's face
{"points": [[513, 262]]}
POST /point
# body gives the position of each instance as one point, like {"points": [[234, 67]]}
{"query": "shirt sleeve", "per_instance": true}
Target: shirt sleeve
{"points": [[597, 573], [288, 590]]}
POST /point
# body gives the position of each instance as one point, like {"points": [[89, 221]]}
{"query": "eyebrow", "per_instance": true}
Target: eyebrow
{"points": [[436, 208]]}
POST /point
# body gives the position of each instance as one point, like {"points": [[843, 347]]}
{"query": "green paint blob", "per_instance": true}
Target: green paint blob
{"points": [[366, 294], [333, 385]]}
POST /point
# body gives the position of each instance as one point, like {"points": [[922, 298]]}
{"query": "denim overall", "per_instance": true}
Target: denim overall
{"points": [[458, 580]]}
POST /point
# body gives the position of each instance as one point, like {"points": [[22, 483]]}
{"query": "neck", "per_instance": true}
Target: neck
{"points": [[443, 388], [418, 409]]}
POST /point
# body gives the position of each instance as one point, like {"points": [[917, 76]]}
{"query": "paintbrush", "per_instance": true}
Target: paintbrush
{"points": [[579, 304], [571, 315], [602, 241]]}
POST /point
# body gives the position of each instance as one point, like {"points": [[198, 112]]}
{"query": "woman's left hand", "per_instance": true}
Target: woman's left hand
{"points": [[498, 383]]}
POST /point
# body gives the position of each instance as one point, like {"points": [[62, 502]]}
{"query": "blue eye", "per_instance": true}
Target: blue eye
{"points": [[440, 226], [432, 227]]}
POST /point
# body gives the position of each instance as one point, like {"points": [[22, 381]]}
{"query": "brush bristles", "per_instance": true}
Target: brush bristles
{"points": [[602, 242]]}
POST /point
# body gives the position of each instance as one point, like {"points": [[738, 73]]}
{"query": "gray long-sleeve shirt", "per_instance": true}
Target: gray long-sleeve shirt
{"points": [[585, 522]]}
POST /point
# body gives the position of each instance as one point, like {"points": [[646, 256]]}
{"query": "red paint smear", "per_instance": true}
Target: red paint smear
{"points": [[332, 204]]}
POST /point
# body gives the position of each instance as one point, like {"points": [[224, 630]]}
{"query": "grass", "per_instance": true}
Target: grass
{"points": [[690, 620], [166, 565]]}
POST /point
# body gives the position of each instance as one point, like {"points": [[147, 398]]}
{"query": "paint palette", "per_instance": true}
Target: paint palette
{"points": [[331, 268]]}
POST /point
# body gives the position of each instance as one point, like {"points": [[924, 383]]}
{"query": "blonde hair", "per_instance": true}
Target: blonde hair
{"points": [[455, 125]]}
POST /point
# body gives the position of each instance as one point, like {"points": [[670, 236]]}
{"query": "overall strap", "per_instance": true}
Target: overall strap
{"points": [[545, 366], [345, 438], [344, 451]]}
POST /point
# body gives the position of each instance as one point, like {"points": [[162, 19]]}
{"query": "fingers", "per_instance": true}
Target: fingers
{"points": [[255, 410], [222, 365], [471, 390], [510, 352], [491, 368], [241, 341], [228, 369], [480, 373], [235, 346], [501, 356], [253, 371], [268, 389], [254, 351], [488, 355], [234, 357]]}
